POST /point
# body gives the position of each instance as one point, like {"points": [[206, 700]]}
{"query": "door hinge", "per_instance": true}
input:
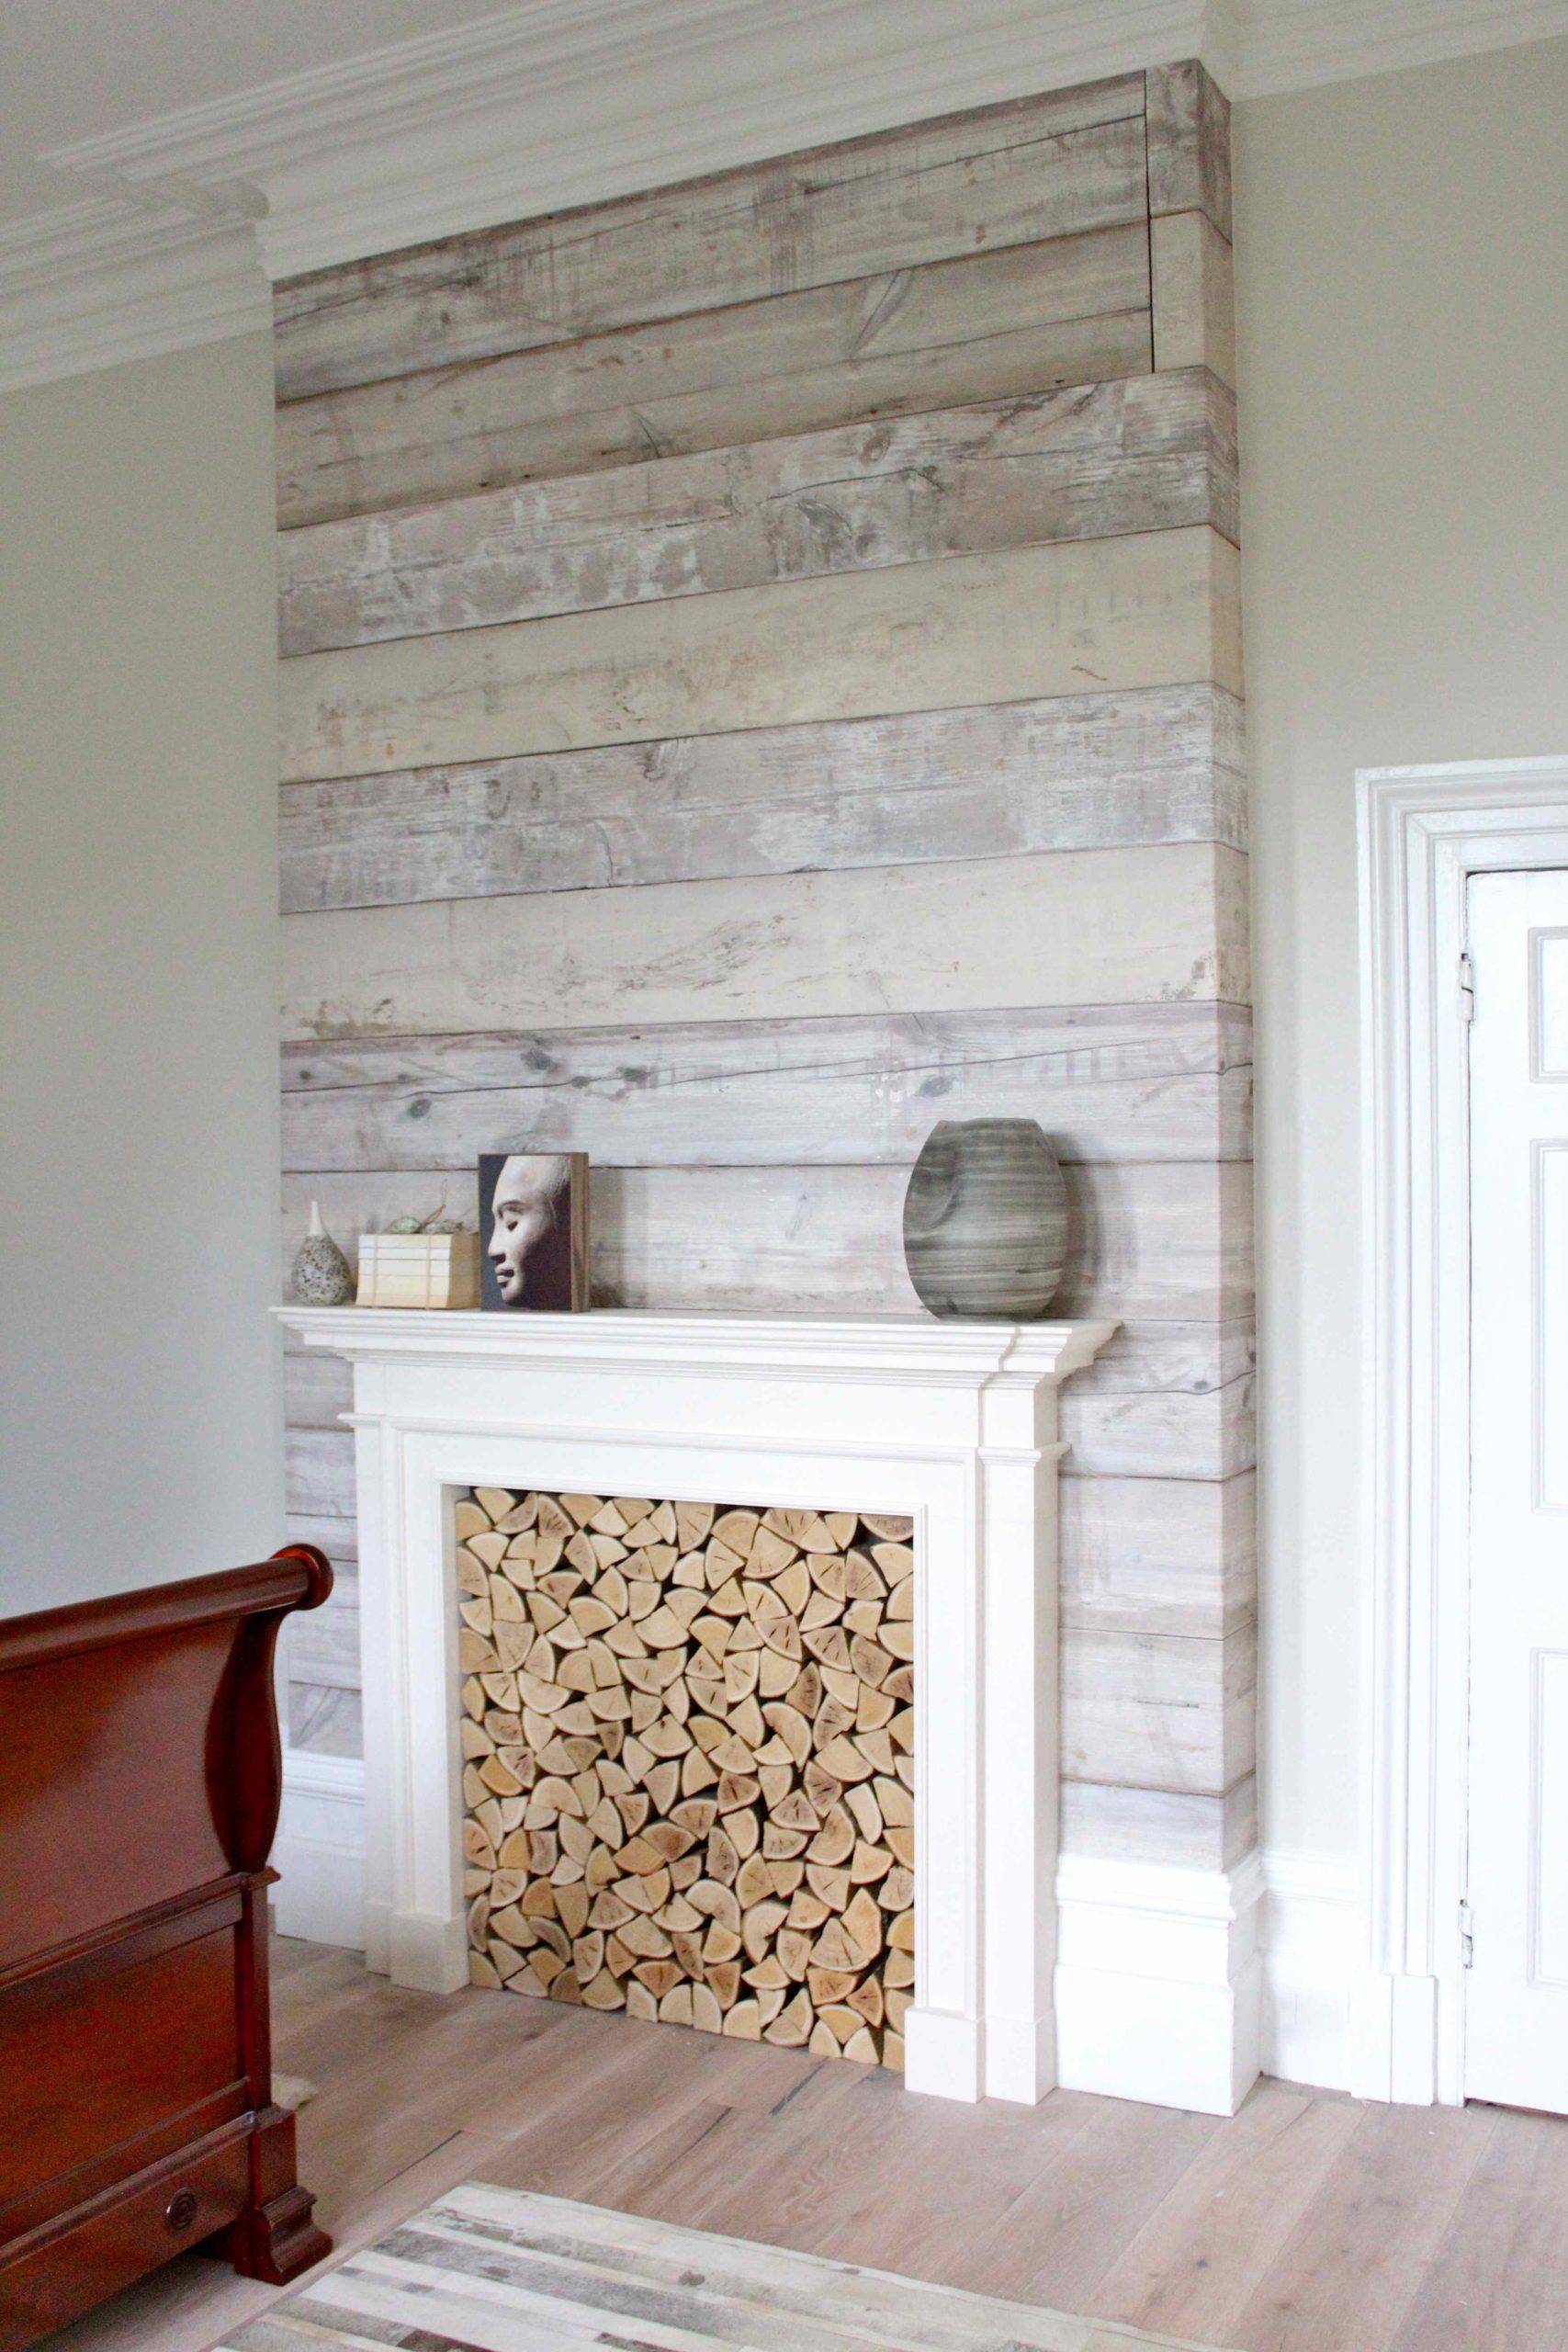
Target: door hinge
{"points": [[1466, 989], [1466, 1933]]}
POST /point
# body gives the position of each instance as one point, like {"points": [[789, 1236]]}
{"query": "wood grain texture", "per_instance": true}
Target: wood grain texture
{"points": [[1026, 318], [1154, 1243], [1192, 2266], [1086, 927], [1159, 608], [1154, 1710], [1140, 604], [1099, 461], [1189, 144], [1014, 174], [1160, 1824], [1157, 1556], [1072, 772], [1383, 2246], [1194, 308], [1161, 1082]]}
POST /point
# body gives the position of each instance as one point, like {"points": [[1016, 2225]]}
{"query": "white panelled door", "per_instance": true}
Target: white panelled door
{"points": [[1517, 1987]]}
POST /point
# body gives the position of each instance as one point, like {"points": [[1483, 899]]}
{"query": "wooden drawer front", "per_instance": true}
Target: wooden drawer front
{"points": [[52, 2276], [90, 2063]]}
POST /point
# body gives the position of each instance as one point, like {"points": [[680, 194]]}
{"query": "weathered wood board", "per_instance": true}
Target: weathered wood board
{"points": [[1158, 1711], [1026, 318], [1152, 609], [1160, 1824], [1017, 174], [1160, 1083], [762, 676], [1155, 1243], [1086, 927], [1188, 144], [1072, 772], [1158, 1555], [1194, 308], [1100, 461]]}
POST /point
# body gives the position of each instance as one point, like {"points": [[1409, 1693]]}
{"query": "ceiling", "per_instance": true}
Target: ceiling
{"points": [[77, 69]]}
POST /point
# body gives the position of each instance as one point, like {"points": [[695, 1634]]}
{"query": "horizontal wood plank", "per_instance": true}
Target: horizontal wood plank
{"points": [[1154, 608], [1156, 1711], [1194, 307], [1158, 1555], [1189, 143], [1160, 1824], [1152, 1243], [1161, 1082], [1071, 771], [1122, 926], [1010, 174], [1155, 453], [1025, 318]]}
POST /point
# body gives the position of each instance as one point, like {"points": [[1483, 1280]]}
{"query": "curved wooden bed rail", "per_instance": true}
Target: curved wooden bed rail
{"points": [[140, 1775]]}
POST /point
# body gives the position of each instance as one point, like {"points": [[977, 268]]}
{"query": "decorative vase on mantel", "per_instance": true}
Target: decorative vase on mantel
{"points": [[985, 1220], [323, 1276]]}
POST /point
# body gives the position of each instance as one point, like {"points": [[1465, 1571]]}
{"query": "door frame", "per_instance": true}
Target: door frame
{"points": [[1422, 832]]}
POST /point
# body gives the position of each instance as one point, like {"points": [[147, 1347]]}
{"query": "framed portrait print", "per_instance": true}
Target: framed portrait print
{"points": [[534, 1230]]}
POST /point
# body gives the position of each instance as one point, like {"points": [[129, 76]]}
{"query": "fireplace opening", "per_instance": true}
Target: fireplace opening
{"points": [[688, 1774]]}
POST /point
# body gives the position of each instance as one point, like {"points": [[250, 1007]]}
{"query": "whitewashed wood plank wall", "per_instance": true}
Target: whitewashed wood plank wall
{"points": [[761, 673]]}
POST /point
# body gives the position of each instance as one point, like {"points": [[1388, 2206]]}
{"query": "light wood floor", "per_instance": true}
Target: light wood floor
{"points": [[1306, 2224]]}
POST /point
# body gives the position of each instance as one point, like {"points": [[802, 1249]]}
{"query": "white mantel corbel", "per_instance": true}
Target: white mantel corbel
{"points": [[952, 1423]]}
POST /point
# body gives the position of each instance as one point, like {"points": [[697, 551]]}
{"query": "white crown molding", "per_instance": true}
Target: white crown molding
{"points": [[555, 103], [89, 285], [559, 103]]}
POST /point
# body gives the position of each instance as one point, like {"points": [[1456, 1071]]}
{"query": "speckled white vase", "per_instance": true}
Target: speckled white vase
{"points": [[985, 1220], [323, 1276]]}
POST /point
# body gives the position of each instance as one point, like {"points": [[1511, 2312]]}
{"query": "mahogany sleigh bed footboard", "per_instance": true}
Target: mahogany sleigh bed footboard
{"points": [[139, 1782]]}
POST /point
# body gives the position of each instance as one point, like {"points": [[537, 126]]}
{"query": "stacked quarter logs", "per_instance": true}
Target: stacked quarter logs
{"points": [[688, 1773]]}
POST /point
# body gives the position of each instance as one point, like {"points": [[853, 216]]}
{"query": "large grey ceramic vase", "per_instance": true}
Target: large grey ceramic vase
{"points": [[985, 1220]]}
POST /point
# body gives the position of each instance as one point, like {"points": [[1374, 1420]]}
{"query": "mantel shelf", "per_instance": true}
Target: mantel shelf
{"points": [[901, 1348]]}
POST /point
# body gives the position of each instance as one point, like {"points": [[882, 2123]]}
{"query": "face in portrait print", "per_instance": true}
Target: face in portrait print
{"points": [[533, 1226]]}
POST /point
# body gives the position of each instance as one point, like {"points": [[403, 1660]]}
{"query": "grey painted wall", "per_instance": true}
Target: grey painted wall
{"points": [[138, 884]]}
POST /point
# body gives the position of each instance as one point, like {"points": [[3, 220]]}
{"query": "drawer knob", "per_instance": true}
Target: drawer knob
{"points": [[180, 2212]]}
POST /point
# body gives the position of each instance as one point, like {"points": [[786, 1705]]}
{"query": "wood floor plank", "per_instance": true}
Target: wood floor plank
{"points": [[1498, 2281], [1350, 2270], [1193, 2267], [1056, 2243], [1375, 2229]]}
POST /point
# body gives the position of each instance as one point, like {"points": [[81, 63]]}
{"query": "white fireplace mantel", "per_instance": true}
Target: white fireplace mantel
{"points": [[952, 1423]]}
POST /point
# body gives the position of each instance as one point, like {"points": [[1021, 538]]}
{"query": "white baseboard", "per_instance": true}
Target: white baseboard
{"points": [[1176, 1988], [1314, 1972], [1159, 1982], [320, 1849]]}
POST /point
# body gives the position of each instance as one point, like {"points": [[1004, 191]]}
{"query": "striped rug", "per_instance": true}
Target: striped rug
{"points": [[493, 2270]]}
